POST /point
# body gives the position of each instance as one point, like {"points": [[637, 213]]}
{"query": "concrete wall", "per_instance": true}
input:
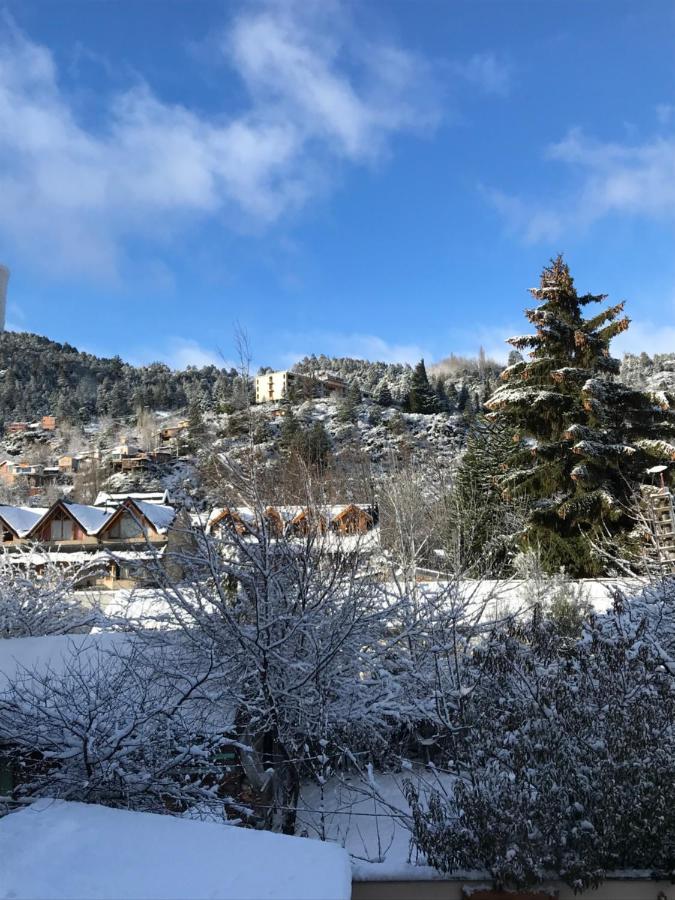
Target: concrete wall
{"points": [[624, 889]]}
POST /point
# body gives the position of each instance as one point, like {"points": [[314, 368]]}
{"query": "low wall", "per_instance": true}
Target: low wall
{"points": [[612, 889]]}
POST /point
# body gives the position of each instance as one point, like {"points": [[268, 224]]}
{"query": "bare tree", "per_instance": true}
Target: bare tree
{"points": [[109, 719], [40, 597]]}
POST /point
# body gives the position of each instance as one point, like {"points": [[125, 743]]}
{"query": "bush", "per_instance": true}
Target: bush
{"points": [[566, 767]]}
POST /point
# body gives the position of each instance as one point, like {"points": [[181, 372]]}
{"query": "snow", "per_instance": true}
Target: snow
{"points": [[22, 519], [161, 498], [53, 652], [370, 821], [91, 518], [82, 557], [56, 849], [161, 517]]}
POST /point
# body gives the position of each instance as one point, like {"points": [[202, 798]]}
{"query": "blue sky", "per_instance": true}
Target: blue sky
{"points": [[380, 179]]}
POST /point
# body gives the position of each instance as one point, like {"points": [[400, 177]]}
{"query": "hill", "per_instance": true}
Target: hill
{"points": [[39, 377]]}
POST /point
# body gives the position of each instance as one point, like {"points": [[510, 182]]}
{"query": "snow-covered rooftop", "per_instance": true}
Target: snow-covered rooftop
{"points": [[22, 519], [103, 498], [160, 516], [91, 518], [55, 849]]}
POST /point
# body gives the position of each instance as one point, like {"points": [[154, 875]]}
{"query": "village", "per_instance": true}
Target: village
{"points": [[337, 450]]}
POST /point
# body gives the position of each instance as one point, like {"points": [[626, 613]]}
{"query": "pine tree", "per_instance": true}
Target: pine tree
{"points": [[384, 397], [196, 427], [422, 397], [290, 429], [581, 441], [349, 405]]}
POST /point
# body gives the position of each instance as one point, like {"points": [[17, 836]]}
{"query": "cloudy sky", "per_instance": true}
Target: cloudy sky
{"points": [[380, 179]]}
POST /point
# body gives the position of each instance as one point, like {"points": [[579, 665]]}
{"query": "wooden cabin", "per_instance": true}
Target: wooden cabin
{"points": [[275, 521], [308, 520], [228, 517], [352, 519], [68, 523]]}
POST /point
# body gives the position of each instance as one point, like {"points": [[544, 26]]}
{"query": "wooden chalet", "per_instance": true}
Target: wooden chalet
{"points": [[119, 542], [350, 519], [353, 519], [309, 520]]}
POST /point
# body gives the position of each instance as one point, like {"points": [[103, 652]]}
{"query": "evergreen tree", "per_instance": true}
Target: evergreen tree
{"points": [[384, 397], [314, 445], [422, 397], [349, 405], [481, 527], [442, 399], [581, 441], [290, 428], [462, 398], [196, 428]]}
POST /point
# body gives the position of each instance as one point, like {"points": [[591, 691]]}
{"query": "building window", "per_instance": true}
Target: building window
{"points": [[62, 530]]}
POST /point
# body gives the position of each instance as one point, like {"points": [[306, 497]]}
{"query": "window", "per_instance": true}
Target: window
{"points": [[125, 527], [61, 529]]}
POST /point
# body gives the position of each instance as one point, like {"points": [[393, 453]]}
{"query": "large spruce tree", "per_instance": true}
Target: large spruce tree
{"points": [[581, 440], [422, 397]]}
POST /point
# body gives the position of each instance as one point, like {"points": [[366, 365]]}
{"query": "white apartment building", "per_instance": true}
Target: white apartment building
{"points": [[276, 385]]}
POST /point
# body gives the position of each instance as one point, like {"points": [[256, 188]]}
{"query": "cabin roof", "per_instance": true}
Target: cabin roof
{"points": [[103, 498], [91, 518], [22, 519]]}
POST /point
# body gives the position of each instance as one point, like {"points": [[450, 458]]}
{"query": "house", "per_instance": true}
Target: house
{"points": [[275, 386], [124, 542], [236, 517], [343, 519], [171, 432], [353, 519], [16, 522], [28, 475], [69, 464], [16, 427], [331, 384], [48, 423]]}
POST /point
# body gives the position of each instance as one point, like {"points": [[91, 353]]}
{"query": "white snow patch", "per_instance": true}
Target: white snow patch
{"points": [[57, 850]]}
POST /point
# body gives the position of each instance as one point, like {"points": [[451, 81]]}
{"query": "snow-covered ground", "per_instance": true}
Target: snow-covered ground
{"points": [[72, 851], [368, 817], [494, 598]]}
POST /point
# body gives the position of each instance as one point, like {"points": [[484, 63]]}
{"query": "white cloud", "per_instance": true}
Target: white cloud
{"points": [[357, 346], [72, 193], [179, 353], [645, 336], [613, 179], [487, 72]]}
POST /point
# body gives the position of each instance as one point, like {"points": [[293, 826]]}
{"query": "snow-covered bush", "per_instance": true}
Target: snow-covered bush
{"points": [[107, 719], [566, 760], [38, 597]]}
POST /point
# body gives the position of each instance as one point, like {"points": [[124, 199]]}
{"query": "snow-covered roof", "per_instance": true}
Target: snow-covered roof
{"points": [[57, 849], [287, 513], [161, 517], [22, 519], [91, 518], [103, 498]]}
